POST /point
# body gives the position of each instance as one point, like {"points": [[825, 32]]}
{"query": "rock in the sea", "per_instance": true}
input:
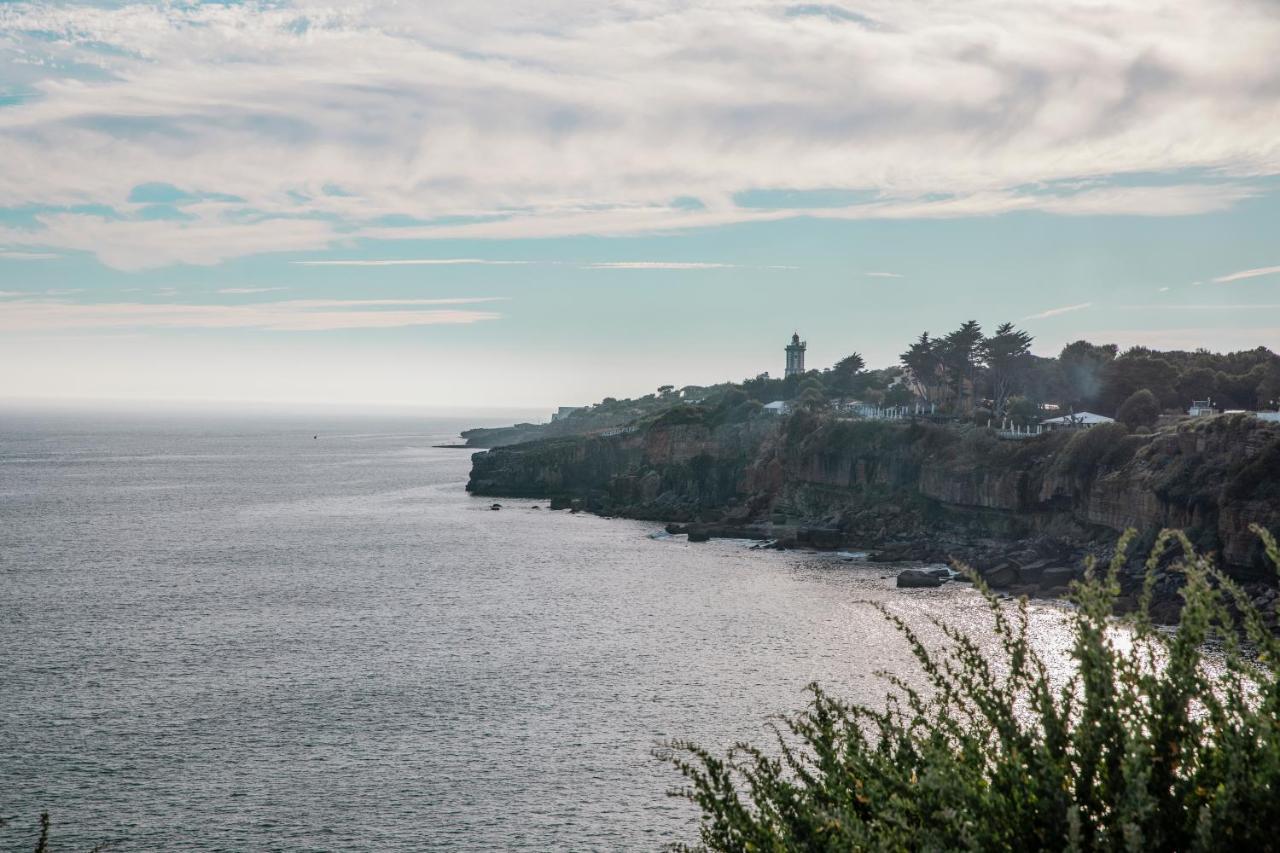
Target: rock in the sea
{"points": [[559, 503], [1031, 572], [1003, 575], [496, 506], [912, 578], [699, 536], [1057, 576]]}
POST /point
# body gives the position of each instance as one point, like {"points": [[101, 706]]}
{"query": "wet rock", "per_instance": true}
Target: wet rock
{"points": [[1032, 571], [496, 507], [1057, 576], [914, 578], [559, 503], [1003, 575], [699, 536], [818, 537]]}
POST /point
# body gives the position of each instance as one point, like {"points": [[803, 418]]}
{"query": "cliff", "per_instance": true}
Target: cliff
{"points": [[876, 483]]}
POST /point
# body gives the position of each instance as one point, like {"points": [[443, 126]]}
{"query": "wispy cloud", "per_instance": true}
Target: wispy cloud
{"points": [[577, 117], [883, 274], [680, 265], [239, 290], [298, 315], [1237, 276], [9, 254], [1054, 312], [409, 262], [1209, 306], [658, 265]]}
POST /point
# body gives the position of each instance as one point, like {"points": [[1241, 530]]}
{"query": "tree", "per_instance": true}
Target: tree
{"points": [[1133, 372], [923, 363], [1022, 411], [846, 377], [1140, 410], [1198, 383], [850, 364], [1006, 354], [961, 356], [665, 390], [1081, 364], [897, 395], [1268, 391]]}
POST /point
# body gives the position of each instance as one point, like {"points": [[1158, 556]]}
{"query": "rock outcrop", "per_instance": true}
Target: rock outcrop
{"points": [[921, 490]]}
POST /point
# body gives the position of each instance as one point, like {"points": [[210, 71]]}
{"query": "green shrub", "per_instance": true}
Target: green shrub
{"points": [[1084, 454], [681, 415], [1259, 479], [1146, 747], [1141, 409]]}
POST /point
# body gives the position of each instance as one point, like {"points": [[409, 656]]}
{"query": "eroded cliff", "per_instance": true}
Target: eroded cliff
{"points": [[868, 483]]}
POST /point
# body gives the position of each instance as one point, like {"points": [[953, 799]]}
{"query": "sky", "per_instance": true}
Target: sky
{"points": [[479, 204]]}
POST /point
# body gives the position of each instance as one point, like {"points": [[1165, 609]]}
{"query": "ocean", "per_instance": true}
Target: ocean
{"points": [[300, 633]]}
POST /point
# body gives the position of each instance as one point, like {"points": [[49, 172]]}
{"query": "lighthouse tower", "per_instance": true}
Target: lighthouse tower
{"points": [[795, 356]]}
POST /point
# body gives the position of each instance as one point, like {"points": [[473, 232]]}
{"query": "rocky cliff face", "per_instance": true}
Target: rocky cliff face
{"points": [[867, 483]]}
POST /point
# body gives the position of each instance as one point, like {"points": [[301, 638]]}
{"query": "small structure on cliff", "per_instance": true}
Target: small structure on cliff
{"points": [[778, 407], [795, 356], [1077, 420], [564, 412], [1201, 408]]}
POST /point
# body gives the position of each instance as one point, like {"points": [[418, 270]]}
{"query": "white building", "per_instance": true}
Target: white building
{"points": [[1078, 420], [1200, 408], [778, 407], [564, 412]]}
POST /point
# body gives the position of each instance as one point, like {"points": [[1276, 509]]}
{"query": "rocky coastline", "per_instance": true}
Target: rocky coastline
{"points": [[1024, 514]]}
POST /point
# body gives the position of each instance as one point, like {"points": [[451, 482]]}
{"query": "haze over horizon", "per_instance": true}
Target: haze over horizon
{"points": [[358, 204]]}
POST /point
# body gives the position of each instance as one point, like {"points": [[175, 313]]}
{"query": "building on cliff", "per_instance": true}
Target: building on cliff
{"points": [[564, 412], [1078, 420], [795, 356]]}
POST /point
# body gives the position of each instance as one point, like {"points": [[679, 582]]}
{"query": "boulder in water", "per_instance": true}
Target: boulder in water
{"points": [[913, 578]]}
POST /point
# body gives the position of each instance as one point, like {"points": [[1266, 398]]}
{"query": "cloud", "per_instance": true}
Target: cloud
{"points": [[678, 265], [299, 315], [1231, 339], [574, 117], [239, 290], [27, 256], [408, 262], [1237, 276], [1211, 306], [1054, 312], [658, 265], [883, 274]]}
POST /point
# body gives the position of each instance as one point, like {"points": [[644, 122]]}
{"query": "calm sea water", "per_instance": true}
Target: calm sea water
{"points": [[225, 634]]}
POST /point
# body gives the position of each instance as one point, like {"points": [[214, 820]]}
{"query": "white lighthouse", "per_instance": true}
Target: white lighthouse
{"points": [[795, 356]]}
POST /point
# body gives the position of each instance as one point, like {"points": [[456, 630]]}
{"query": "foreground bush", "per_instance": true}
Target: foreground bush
{"points": [[1148, 746]]}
